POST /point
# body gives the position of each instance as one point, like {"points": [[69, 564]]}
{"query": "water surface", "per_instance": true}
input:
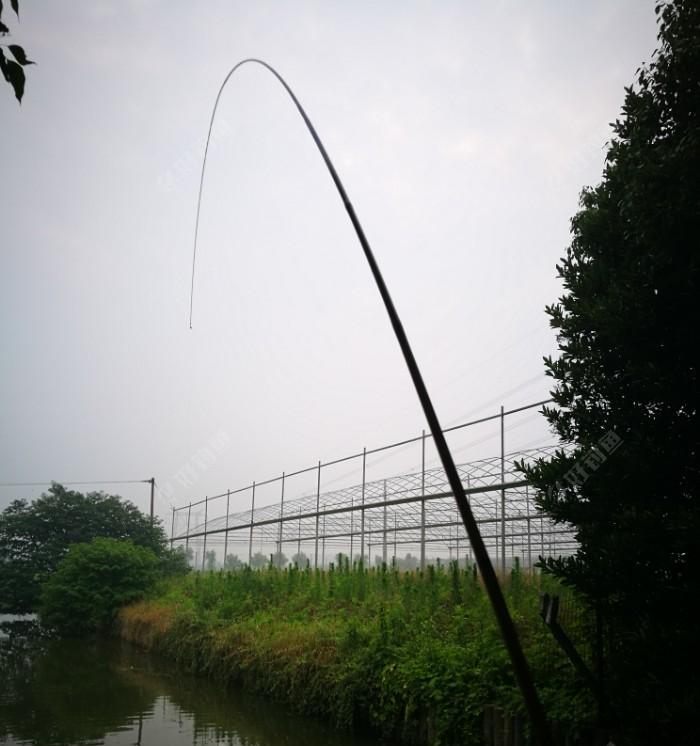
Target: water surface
{"points": [[56, 692]]}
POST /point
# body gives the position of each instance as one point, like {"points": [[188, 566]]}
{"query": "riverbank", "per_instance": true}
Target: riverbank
{"points": [[56, 691], [413, 657]]}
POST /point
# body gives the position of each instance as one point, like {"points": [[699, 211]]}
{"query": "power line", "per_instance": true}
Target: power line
{"points": [[499, 398], [55, 481]]}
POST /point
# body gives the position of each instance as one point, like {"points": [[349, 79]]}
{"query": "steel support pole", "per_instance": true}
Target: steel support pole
{"points": [[362, 514], [318, 501], [505, 622], [299, 540], [187, 535], [369, 542], [384, 532], [172, 529], [503, 493], [252, 521], [206, 515], [542, 534], [152, 480], [422, 504], [228, 503], [279, 550], [323, 542], [352, 526], [529, 541], [496, 532]]}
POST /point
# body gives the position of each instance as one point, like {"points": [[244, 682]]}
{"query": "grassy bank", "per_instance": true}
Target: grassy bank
{"points": [[414, 657]]}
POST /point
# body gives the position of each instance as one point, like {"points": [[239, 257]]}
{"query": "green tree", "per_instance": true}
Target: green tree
{"points": [[627, 392], [409, 562], [232, 562], [258, 561], [300, 560], [92, 582], [279, 559], [342, 560], [34, 537], [12, 66], [174, 562], [210, 560]]}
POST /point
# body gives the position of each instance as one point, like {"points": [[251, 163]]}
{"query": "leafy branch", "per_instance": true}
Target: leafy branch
{"points": [[12, 69]]}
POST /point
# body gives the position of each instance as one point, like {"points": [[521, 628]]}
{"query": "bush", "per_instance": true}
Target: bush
{"points": [[35, 537], [92, 582], [415, 657], [174, 562]]}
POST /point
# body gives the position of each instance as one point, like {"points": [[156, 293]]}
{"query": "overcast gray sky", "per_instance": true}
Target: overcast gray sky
{"points": [[464, 132]]}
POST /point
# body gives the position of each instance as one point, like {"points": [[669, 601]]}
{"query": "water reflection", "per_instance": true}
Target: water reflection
{"points": [[60, 692]]}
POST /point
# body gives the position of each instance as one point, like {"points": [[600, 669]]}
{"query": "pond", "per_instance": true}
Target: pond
{"points": [[55, 692]]}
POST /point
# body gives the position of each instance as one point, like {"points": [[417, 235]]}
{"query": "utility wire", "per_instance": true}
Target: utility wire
{"points": [[56, 481]]}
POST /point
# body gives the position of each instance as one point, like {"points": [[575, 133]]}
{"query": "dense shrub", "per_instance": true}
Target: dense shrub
{"points": [[413, 656], [35, 537], [93, 581]]}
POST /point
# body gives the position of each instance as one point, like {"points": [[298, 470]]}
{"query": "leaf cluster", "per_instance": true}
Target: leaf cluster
{"points": [[92, 582], [12, 66]]}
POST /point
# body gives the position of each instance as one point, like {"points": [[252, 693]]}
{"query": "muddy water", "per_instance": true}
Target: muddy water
{"points": [[106, 692]]}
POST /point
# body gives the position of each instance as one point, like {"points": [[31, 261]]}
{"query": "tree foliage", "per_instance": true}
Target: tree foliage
{"points": [[279, 559], [12, 65], [258, 561], [233, 562], [34, 537], [173, 562], [300, 560], [93, 581], [627, 388]]}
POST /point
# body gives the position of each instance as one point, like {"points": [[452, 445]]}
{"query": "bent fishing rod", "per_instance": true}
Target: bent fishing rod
{"points": [[505, 622]]}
